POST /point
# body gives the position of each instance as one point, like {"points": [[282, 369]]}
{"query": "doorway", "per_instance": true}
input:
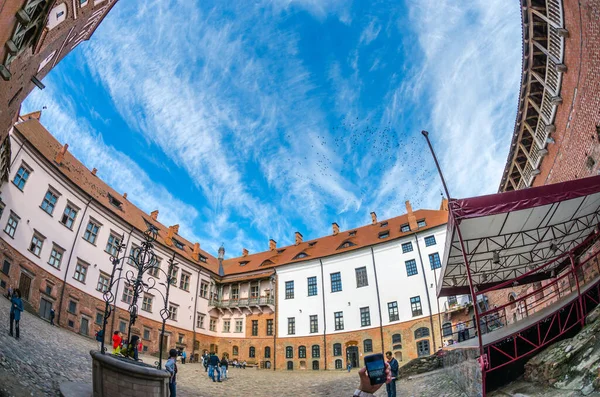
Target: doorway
{"points": [[84, 327], [45, 307], [352, 355], [165, 343], [25, 286]]}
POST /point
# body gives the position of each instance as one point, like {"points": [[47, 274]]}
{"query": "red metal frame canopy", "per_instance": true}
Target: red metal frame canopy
{"points": [[515, 235]]}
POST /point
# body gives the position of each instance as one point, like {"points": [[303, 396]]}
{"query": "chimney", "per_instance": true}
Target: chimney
{"points": [[272, 245], [61, 155], [94, 171], [196, 252], [153, 214], [125, 196], [412, 220], [298, 238], [336, 228], [373, 218], [175, 229], [444, 205], [244, 252], [170, 235]]}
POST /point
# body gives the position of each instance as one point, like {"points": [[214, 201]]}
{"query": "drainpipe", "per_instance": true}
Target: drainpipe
{"points": [[438, 309], [275, 322], [378, 300], [114, 310], [426, 291], [324, 316], [62, 290], [195, 315]]}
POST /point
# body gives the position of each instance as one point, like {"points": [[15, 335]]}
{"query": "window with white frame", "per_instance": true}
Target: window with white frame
{"points": [[56, 16], [49, 202], [37, 241], [393, 311], [103, 282], [291, 325], [254, 289], [239, 325], [80, 271], [213, 324], [69, 215], [11, 224], [226, 325], [91, 232], [112, 245], [184, 283], [173, 311], [339, 320], [203, 289], [174, 272], [200, 320], [155, 270], [147, 303], [127, 296], [132, 255], [289, 289], [22, 176], [365, 317], [56, 256]]}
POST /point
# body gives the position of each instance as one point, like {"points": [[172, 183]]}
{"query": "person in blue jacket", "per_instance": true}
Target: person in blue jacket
{"points": [[16, 308]]}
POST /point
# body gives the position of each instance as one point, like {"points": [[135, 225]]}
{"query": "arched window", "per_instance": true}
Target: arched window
{"points": [[447, 329], [316, 352], [235, 350], [367, 345], [337, 349], [252, 352], [315, 365], [290, 365], [302, 364], [423, 348], [267, 352], [422, 332], [396, 338], [57, 15], [289, 352], [511, 298], [338, 364], [398, 356]]}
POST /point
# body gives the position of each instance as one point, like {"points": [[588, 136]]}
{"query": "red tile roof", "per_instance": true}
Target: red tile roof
{"points": [[321, 247]]}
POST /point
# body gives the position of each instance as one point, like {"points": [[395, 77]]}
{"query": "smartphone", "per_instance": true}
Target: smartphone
{"points": [[375, 368]]}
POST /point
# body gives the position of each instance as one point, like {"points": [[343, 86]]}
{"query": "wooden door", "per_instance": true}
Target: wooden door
{"points": [[25, 286], [84, 328]]}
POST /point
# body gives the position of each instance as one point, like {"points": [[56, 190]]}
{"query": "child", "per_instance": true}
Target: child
{"points": [[171, 367], [116, 343]]}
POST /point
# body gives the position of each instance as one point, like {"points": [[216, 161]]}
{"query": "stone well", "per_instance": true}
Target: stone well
{"points": [[114, 376]]}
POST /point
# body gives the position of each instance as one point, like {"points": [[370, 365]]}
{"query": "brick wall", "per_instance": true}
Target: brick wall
{"points": [[578, 117]]}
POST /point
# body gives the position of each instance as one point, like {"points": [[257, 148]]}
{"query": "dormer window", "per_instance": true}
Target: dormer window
{"points": [[352, 233], [346, 244], [178, 244], [151, 226], [385, 234], [202, 259], [267, 263], [383, 224], [281, 251], [300, 256], [405, 228], [312, 244], [113, 201], [421, 223], [244, 263]]}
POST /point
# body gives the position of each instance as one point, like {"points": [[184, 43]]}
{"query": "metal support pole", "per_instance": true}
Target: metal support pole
{"points": [[483, 358], [582, 320]]}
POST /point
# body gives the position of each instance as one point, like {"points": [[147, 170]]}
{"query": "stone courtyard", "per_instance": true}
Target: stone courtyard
{"points": [[47, 356]]}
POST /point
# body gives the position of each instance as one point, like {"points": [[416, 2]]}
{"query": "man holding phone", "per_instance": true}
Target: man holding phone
{"points": [[391, 387], [375, 373]]}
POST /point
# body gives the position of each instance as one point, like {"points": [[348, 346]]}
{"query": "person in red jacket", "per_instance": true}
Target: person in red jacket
{"points": [[116, 343]]}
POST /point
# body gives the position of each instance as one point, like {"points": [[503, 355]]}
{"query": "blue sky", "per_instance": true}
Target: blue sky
{"points": [[249, 120]]}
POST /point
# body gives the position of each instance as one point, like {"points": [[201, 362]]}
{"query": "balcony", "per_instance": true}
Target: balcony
{"points": [[249, 303]]}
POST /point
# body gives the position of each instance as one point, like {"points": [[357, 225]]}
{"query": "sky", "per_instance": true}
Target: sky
{"points": [[243, 121]]}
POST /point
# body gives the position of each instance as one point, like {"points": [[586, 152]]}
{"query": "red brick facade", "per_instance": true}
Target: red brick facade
{"points": [[576, 152]]}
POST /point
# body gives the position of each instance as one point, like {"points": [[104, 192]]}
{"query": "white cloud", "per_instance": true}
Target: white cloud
{"points": [[370, 32]]}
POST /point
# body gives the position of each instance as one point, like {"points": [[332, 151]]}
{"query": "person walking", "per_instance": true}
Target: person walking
{"points": [[348, 366], [116, 343], [52, 315], [171, 367], [183, 357], [213, 366], [224, 365], [16, 308], [391, 386], [99, 339], [205, 361]]}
